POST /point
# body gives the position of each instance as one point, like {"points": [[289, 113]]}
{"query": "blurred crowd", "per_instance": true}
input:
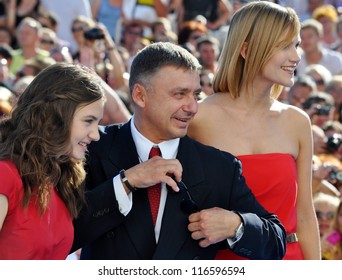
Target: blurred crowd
{"points": [[105, 35]]}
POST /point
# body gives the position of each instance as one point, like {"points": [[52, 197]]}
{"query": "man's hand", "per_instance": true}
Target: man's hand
{"points": [[213, 225], [155, 170]]}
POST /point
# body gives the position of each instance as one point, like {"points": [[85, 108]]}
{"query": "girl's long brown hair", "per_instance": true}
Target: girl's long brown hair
{"points": [[36, 137]]}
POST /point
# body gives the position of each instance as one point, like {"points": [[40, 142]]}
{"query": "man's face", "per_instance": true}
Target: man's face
{"points": [[168, 104], [310, 39]]}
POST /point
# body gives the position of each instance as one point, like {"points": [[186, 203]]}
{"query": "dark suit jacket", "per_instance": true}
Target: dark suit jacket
{"points": [[213, 179]]}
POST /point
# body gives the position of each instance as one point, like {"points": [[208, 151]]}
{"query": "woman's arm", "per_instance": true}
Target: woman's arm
{"points": [[95, 6], [307, 225]]}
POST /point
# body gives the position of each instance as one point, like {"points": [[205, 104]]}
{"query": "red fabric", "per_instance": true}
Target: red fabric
{"points": [[25, 234], [273, 180], [154, 191]]}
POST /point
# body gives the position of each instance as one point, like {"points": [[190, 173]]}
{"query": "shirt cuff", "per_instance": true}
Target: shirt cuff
{"points": [[124, 200], [239, 232]]}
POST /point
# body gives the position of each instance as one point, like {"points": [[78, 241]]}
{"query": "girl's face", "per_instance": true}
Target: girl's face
{"points": [[84, 128]]}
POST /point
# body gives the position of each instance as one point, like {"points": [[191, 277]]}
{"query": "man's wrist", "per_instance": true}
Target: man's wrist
{"points": [[126, 182]]}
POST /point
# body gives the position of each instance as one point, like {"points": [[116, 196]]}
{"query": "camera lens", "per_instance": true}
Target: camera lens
{"points": [[94, 34], [333, 142]]}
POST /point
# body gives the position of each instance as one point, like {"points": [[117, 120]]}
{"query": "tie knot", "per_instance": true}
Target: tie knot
{"points": [[155, 151]]}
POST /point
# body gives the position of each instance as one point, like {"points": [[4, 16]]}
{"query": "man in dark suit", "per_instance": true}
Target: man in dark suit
{"points": [[213, 208]]}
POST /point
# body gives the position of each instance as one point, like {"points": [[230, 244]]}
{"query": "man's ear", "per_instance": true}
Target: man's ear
{"points": [[138, 95], [243, 51]]}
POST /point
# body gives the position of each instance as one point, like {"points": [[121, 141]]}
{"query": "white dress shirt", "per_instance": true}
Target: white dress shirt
{"points": [[168, 150]]}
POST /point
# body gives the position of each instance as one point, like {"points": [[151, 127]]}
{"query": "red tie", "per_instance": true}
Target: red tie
{"points": [[154, 191]]}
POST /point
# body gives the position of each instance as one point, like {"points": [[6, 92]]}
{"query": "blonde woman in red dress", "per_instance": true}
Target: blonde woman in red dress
{"points": [[273, 140]]}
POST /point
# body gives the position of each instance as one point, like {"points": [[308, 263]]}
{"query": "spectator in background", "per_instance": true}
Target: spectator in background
{"points": [[49, 20], [314, 4], [20, 9], [334, 88], [332, 127], [61, 54], [21, 84], [320, 178], [326, 210], [108, 12], [314, 52], [303, 87], [188, 34], [332, 242], [208, 51], [144, 12], [216, 12], [28, 35], [320, 74], [6, 37], [319, 140], [162, 31], [48, 39], [327, 16], [301, 7], [79, 26], [3, 13], [132, 34], [339, 33], [206, 82], [33, 66], [66, 11], [320, 108]]}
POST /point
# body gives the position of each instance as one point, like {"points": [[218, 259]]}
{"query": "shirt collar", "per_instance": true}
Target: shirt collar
{"points": [[168, 148]]}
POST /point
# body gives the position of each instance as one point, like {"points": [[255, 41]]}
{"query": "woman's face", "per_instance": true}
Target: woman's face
{"points": [[281, 66], [84, 128], [325, 213]]}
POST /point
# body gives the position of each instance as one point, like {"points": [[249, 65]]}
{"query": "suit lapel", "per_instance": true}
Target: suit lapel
{"points": [[174, 231], [123, 155]]}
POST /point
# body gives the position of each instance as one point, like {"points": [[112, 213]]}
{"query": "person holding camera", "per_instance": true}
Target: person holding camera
{"points": [[320, 108], [327, 166]]}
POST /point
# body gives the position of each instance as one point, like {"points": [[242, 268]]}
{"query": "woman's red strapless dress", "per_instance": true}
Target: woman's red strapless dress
{"points": [[273, 180]]}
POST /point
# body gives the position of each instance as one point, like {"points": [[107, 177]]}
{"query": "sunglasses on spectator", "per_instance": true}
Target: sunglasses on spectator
{"points": [[20, 74], [328, 215], [77, 29], [136, 33], [49, 42], [319, 82], [206, 84]]}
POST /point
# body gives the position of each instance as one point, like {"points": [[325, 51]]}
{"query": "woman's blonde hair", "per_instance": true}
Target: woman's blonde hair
{"points": [[261, 26]]}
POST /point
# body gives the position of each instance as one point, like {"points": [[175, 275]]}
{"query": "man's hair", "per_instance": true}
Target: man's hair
{"points": [[152, 58]]}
